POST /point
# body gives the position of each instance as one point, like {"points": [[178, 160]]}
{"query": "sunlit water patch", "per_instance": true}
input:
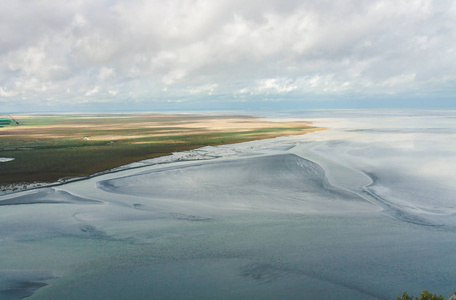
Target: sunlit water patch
{"points": [[6, 159]]}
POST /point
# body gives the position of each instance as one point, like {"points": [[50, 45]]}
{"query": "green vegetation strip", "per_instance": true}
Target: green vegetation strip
{"points": [[5, 120], [425, 296]]}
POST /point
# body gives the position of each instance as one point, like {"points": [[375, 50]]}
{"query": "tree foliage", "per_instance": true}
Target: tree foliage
{"points": [[424, 296]]}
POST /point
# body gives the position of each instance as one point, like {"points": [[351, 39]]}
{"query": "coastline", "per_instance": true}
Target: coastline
{"points": [[261, 123]]}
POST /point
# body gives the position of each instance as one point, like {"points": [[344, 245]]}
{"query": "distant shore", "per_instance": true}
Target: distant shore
{"points": [[58, 147]]}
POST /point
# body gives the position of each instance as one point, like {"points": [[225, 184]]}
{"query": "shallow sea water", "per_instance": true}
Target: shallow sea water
{"points": [[365, 210]]}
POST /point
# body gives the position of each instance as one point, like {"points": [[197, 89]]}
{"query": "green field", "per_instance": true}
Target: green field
{"points": [[5, 121], [47, 148]]}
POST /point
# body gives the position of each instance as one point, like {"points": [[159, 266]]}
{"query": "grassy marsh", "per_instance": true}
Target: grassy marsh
{"points": [[50, 147]]}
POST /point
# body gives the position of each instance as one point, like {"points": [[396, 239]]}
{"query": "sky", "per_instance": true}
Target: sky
{"points": [[226, 54]]}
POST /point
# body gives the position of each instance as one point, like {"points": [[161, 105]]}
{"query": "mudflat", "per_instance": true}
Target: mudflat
{"points": [[49, 147]]}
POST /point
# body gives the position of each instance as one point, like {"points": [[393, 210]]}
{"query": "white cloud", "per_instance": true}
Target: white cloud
{"points": [[141, 49], [173, 76], [278, 85], [105, 73], [4, 93], [207, 89], [400, 80], [93, 91]]}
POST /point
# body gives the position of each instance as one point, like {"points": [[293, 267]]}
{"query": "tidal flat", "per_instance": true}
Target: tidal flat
{"points": [[45, 148], [363, 210]]}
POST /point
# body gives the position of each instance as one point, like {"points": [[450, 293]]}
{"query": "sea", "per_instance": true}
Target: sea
{"points": [[365, 209]]}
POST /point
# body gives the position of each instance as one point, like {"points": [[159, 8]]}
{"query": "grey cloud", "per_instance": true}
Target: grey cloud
{"points": [[152, 50]]}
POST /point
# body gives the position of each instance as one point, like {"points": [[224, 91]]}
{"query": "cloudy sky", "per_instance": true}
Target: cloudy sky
{"points": [[226, 54]]}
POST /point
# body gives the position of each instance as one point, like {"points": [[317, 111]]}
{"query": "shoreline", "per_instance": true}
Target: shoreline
{"points": [[79, 145], [29, 186]]}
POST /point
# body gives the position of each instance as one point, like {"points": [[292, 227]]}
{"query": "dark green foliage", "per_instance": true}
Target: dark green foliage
{"points": [[5, 122], [424, 296]]}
